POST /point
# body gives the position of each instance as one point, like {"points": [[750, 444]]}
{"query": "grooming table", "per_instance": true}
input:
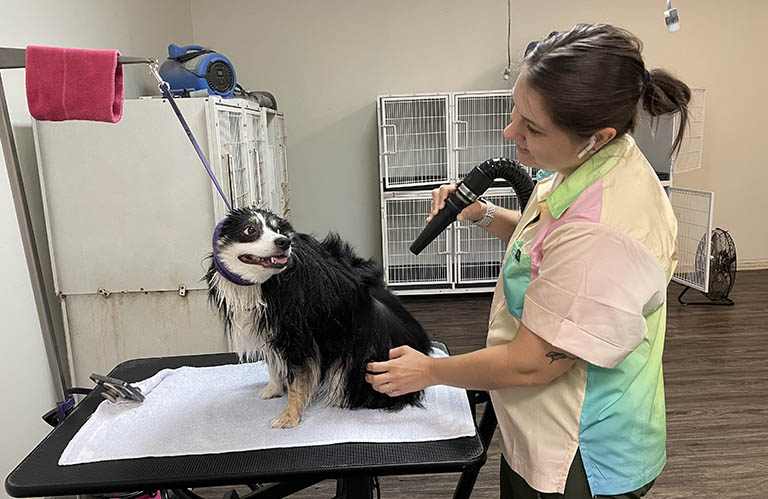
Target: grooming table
{"points": [[289, 470]]}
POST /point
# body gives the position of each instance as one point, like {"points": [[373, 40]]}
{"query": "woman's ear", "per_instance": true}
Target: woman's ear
{"points": [[603, 137]]}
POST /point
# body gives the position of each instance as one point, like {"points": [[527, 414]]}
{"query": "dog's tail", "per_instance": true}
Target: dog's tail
{"points": [[405, 330]]}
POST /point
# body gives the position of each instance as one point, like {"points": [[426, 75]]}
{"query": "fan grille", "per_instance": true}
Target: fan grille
{"points": [[220, 77], [722, 267]]}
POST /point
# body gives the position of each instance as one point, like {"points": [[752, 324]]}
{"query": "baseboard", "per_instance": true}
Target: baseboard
{"points": [[759, 264]]}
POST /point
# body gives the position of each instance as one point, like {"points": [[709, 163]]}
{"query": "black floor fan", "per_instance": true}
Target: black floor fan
{"points": [[722, 269]]}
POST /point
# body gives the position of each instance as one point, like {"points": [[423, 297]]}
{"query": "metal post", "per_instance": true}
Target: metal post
{"points": [[30, 246]]}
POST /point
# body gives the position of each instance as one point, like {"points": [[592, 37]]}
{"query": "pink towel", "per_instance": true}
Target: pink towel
{"points": [[74, 84]]}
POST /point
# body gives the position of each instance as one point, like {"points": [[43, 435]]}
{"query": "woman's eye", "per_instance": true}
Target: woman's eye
{"points": [[249, 230], [532, 130]]}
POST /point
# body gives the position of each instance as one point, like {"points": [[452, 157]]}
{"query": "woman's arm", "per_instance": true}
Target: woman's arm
{"points": [[503, 224], [525, 361]]}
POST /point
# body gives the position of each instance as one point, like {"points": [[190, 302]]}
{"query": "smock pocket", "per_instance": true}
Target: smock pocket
{"points": [[517, 277]]}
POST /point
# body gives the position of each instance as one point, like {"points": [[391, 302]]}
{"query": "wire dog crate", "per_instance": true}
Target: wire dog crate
{"points": [[403, 218], [479, 128], [413, 140], [426, 140], [479, 255], [464, 258]]}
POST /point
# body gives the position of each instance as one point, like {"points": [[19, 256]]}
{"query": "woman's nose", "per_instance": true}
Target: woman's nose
{"points": [[510, 132]]}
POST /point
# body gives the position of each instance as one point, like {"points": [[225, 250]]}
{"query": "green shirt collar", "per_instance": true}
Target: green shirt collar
{"points": [[587, 174]]}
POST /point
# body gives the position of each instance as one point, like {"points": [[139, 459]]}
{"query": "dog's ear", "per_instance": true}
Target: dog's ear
{"points": [[279, 223]]}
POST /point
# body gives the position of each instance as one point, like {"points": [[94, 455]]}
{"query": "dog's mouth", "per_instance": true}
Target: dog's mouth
{"points": [[269, 262]]}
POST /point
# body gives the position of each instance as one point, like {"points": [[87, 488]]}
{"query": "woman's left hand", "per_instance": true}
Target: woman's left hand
{"points": [[406, 371]]}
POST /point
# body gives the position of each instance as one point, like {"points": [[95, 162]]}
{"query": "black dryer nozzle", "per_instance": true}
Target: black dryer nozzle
{"points": [[467, 191]]}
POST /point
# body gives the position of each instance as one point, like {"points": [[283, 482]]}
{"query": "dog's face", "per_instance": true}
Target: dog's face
{"points": [[254, 244]]}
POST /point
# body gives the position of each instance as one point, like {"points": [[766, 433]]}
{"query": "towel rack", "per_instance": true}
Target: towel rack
{"points": [[15, 58], [12, 58]]}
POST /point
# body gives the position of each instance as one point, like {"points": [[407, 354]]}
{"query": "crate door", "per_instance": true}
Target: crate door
{"points": [[280, 194], [478, 129], [233, 157], [254, 146], [478, 253], [693, 210], [413, 140], [281, 161], [403, 220]]}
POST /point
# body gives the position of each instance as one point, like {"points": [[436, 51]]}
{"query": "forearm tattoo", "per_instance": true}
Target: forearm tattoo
{"points": [[553, 356]]}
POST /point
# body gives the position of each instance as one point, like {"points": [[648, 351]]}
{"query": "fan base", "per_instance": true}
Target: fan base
{"points": [[722, 302]]}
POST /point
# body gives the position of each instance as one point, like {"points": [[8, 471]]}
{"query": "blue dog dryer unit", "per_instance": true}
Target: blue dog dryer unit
{"points": [[194, 67]]}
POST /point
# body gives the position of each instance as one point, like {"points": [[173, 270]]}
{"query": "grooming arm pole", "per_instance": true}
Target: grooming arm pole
{"points": [[30, 246]]}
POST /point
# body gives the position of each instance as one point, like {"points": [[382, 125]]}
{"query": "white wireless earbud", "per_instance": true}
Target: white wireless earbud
{"points": [[590, 145]]}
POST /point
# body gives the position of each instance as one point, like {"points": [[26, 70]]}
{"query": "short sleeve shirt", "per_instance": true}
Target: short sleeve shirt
{"points": [[586, 270]]}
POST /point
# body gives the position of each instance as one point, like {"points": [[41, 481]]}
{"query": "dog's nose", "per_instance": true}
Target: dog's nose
{"points": [[283, 243]]}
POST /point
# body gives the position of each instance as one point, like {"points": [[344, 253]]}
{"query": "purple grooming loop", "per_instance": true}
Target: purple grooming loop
{"points": [[219, 266]]}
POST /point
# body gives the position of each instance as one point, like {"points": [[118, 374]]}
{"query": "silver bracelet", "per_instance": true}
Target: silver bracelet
{"points": [[490, 209]]}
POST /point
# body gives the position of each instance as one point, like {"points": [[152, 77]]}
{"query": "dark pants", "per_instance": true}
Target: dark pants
{"points": [[576, 486]]}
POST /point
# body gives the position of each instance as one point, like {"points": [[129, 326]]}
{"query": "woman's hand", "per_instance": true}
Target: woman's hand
{"points": [[473, 212], [406, 371]]}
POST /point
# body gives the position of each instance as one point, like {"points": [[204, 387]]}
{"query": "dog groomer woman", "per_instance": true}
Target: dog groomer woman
{"points": [[576, 330]]}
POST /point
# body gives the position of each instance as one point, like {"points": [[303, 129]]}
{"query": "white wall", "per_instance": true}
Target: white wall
{"points": [[136, 28], [327, 61]]}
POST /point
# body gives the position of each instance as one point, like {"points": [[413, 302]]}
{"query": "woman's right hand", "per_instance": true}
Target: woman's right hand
{"points": [[473, 212]]}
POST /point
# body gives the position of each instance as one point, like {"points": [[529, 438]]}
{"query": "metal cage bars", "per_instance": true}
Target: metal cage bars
{"points": [[693, 210], [463, 254]]}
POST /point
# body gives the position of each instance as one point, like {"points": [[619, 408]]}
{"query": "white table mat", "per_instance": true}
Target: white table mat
{"points": [[211, 410]]}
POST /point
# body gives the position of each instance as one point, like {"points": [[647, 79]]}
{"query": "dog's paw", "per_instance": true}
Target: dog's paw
{"points": [[286, 420], [272, 390]]}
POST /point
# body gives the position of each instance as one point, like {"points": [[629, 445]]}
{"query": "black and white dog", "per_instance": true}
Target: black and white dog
{"points": [[314, 311]]}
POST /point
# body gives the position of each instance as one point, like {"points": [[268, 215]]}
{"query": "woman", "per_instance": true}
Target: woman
{"points": [[576, 330]]}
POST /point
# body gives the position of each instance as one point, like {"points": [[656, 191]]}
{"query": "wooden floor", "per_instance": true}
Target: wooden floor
{"points": [[716, 375]]}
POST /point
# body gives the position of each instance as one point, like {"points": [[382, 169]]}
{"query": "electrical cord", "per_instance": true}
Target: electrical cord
{"points": [[508, 69], [509, 33]]}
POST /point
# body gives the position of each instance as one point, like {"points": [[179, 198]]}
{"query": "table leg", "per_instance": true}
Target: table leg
{"points": [[358, 487]]}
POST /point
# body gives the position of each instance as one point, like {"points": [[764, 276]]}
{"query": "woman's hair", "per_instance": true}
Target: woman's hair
{"points": [[593, 77]]}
